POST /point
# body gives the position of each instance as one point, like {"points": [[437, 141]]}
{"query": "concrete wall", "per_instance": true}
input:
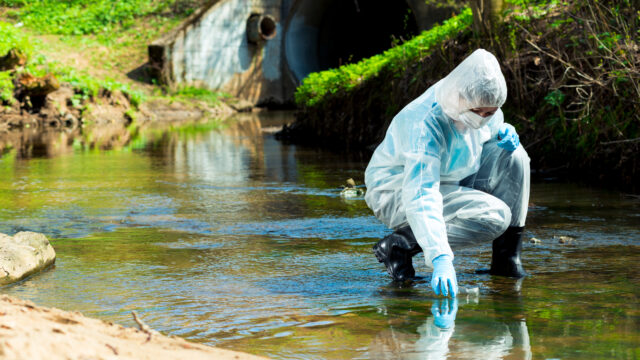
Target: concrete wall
{"points": [[211, 48]]}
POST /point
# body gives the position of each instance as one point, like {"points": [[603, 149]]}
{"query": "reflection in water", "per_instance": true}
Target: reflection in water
{"points": [[221, 234], [501, 334], [36, 142]]}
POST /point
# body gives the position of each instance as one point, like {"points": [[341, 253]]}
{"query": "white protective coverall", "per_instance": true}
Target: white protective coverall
{"points": [[451, 183]]}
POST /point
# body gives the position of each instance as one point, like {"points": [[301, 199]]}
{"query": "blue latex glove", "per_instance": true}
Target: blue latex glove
{"points": [[443, 279], [444, 312], [509, 139]]}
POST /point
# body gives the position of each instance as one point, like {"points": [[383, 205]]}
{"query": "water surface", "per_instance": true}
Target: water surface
{"points": [[231, 238]]}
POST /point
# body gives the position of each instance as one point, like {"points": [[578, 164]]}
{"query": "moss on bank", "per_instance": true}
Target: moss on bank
{"points": [[573, 73], [395, 60]]}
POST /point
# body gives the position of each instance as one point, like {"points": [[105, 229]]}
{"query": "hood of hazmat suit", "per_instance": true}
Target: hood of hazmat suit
{"points": [[476, 82], [425, 148]]}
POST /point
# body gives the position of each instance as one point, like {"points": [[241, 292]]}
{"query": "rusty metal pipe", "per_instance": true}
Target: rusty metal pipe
{"points": [[260, 28]]}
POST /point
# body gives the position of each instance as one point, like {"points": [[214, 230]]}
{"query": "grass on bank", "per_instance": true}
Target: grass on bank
{"points": [[84, 85], [397, 59], [83, 17], [188, 93], [96, 44]]}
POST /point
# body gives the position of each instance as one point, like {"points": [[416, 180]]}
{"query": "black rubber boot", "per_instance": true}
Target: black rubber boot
{"points": [[396, 252], [505, 260]]}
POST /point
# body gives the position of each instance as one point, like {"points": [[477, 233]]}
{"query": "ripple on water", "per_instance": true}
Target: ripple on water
{"points": [[330, 228]]}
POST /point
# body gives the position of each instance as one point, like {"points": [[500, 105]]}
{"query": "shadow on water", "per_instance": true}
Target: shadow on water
{"points": [[223, 235]]}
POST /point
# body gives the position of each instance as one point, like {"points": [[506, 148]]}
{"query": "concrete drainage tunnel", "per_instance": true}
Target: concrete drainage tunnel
{"points": [[323, 34], [260, 50]]}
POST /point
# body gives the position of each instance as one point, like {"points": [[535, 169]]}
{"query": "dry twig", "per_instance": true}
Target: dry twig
{"points": [[143, 327]]}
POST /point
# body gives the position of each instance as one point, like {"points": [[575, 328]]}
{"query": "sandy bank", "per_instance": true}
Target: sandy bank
{"points": [[28, 331]]}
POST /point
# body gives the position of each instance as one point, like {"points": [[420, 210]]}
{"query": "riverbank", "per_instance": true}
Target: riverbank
{"points": [[573, 73], [34, 332], [63, 74]]}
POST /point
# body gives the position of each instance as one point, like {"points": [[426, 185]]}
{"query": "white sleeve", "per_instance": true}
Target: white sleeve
{"points": [[421, 192]]}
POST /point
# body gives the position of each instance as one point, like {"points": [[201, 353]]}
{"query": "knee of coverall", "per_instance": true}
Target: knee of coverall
{"points": [[517, 161], [502, 173], [480, 220]]}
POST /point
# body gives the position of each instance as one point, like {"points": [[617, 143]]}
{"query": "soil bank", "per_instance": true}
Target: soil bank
{"points": [[33, 332]]}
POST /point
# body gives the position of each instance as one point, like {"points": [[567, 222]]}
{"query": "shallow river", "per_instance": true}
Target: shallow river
{"points": [[231, 238]]}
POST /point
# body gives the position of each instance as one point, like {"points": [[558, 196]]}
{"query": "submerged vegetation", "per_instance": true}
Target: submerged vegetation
{"points": [[573, 73]]}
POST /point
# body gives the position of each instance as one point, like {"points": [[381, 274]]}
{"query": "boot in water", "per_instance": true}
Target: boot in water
{"points": [[505, 260], [396, 252]]}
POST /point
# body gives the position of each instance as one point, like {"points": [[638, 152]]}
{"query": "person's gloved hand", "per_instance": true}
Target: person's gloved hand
{"points": [[443, 279], [509, 139], [444, 312]]}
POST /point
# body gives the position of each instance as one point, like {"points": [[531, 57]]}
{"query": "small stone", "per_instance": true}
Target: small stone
{"points": [[535, 240], [563, 239]]}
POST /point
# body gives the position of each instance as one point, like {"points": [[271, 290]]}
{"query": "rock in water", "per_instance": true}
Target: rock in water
{"points": [[351, 183], [23, 254], [350, 190], [567, 240]]}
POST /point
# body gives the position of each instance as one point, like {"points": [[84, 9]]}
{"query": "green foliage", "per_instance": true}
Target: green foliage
{"points": [[555, 98], [85, 86], [211, 98], [526, 10], [13, 38], [584, 55], [6, 87], [396, 59], [13, 3], [78, 17]]}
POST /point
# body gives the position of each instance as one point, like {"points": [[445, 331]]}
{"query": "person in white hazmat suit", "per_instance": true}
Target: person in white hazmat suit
{"points": [[451, 173]]}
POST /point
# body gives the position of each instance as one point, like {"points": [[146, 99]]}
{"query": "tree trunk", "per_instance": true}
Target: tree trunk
{"points": [[486, 14]]}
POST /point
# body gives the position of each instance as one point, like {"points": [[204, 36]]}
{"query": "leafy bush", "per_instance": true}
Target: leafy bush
{"points": [[319, 84]]}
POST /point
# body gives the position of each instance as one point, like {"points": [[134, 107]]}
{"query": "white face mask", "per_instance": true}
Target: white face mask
{"points": [[473, 120]]}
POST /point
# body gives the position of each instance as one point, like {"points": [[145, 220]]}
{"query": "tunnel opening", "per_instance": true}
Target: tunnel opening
{"points": [[352, 30], [323, 34]]}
